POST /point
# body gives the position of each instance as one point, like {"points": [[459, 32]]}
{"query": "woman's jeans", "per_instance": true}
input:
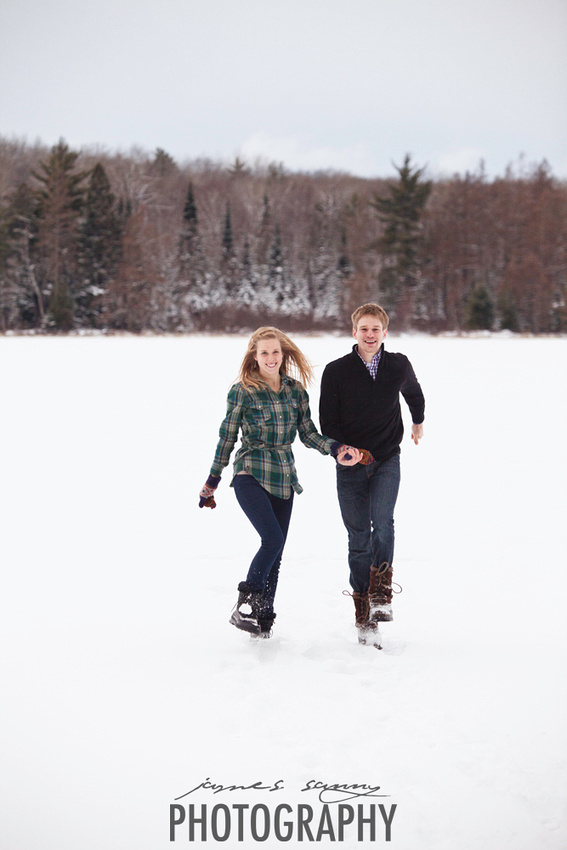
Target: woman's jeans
{"points": [[270, 517], [367, 498]]}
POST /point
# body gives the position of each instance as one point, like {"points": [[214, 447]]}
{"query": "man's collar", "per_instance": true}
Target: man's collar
{"points": [[356, 351]]}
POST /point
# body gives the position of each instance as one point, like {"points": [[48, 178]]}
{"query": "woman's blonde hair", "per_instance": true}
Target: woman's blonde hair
{"points": [[294, 363]]}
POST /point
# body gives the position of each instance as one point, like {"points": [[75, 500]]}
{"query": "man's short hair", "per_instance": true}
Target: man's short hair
{"points": [[370, 310]]}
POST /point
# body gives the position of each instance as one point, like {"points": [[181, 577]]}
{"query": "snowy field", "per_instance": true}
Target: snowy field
{"points": [[124, 687]]}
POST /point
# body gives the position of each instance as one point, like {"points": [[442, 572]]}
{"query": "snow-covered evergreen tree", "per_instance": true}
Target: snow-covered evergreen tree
{"points": [[22, 303], [191, 293], [401, 212], [61, 198], [99, 250]]}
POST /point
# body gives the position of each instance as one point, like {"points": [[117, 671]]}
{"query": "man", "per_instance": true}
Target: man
{"points": [[360, 406]]}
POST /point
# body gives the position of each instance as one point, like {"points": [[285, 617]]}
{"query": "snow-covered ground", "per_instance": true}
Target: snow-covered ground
{"points": [[124, 687]]}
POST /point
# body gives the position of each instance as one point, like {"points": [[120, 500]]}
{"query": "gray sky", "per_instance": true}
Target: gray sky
{"points": [[341, 84]]}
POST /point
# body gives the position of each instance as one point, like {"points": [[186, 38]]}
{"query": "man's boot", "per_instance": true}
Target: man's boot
{"points": [[380, 593], [247, 620], [368, 633]]}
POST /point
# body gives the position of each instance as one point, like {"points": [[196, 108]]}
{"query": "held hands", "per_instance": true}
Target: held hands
{"points": [[349, 456], [207, 494]]}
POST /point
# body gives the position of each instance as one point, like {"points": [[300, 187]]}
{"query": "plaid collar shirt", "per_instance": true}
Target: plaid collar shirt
{"points": [[373, 365], [268, 423]]}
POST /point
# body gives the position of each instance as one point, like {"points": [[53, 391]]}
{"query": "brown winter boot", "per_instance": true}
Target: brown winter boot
{"points": [[380, 593], [368, 633]]}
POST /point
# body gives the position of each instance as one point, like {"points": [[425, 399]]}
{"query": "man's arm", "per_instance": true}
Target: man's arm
{"points": [[415, 400]]}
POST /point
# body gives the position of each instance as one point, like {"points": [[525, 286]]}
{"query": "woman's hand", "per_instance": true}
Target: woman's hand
{"points": [[353, 455], [207, 494]]}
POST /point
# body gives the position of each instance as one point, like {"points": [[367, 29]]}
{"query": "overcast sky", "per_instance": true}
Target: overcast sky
{"points": [[317, 84]]}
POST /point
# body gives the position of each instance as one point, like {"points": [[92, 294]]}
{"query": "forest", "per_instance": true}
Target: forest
{"points": [[98, 241]]}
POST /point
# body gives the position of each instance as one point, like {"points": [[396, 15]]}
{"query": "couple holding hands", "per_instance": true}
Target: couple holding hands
{"points": [[361, 425]]}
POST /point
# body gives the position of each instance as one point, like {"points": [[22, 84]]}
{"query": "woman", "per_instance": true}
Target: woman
{"points": [[270, 407]]}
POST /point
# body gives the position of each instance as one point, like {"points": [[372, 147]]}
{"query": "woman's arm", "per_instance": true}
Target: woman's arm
{"points": [[228, 431]]}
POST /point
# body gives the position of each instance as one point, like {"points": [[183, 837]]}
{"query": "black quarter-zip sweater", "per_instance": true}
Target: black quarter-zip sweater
{"points": [[366, 413]]}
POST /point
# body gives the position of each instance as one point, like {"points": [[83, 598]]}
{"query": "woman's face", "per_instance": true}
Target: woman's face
{"points": [[269, 357]]}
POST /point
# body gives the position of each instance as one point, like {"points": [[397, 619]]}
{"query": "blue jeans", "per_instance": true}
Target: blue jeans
{"points": [[367, 498], [270, 517]]}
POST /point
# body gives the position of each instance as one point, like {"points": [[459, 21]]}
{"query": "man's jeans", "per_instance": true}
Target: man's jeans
{"points": [[270, 517], [367, 498]]}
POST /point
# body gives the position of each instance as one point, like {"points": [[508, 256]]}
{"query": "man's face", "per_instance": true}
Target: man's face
{"points": [[370, 335]]}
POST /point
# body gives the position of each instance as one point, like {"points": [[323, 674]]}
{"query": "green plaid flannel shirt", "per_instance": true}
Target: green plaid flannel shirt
{"points": [[269, 423]]}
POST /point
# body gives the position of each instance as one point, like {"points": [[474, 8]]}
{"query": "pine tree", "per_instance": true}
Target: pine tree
{"points": [[238, 168], [163, 163], [508, 313], [400, 213], [479, 309], [248, 289], [21, 300], [328, 261], [227, 239], [247, 273], [229, 271], [100, 248], [190, 296], [343, 264], [190, 210], [276, 279], [188, 235], [61, 198], [264, 234], [326, 287]]}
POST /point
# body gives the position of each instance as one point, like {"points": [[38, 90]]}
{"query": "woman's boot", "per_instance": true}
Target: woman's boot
{"points": [[265, 621], [247, 620]]}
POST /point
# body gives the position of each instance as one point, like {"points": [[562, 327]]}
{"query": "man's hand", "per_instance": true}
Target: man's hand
{"points": [[354, 456], [417, 432]]}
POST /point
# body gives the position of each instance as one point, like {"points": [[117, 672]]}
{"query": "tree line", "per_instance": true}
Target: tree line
{"points": [[136, 242]]}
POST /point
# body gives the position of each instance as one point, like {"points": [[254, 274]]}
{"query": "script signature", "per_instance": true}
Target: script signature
{"points": [[327, 792], [216, 788], [341, 792]]}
